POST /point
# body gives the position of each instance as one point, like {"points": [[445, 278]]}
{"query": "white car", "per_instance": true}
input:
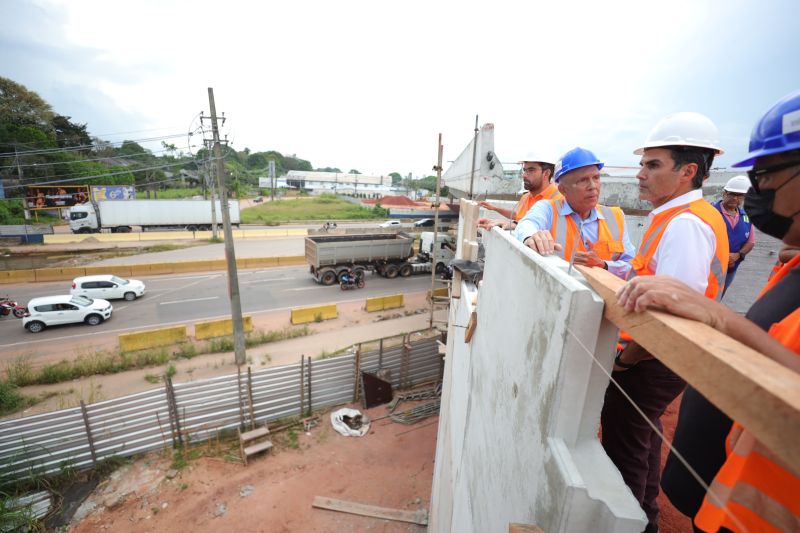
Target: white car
{"points": [[108, 287], [66, 309], [390, 224]]}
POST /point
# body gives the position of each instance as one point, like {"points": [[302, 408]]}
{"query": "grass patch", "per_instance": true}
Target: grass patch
{"points": [[152, 378], [12, 400], [324, 207], [164, 247], [172, 194], [21, 372]]}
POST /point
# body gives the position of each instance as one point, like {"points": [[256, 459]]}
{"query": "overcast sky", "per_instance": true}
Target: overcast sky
{"points": [[369, 85]]}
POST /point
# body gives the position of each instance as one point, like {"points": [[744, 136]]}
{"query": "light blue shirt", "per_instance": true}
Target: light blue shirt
{"points": [[540, 217]]}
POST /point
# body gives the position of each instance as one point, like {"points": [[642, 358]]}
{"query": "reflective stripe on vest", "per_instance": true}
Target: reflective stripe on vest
{"points": [[610, 232], [528, 200], [655, 231], [754, 490]]}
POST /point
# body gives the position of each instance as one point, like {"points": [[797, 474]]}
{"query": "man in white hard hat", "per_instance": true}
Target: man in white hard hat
{"points": [[741, 237], [685, 239], [537, 171]]}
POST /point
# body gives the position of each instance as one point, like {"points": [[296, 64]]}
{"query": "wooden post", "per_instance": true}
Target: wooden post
{"points": [[88, 432], [357, 376], [405, 364], [173, 412], [302, 384], [380, 355], [239, 395], [308, 373], [762, 395], [250, 398]]}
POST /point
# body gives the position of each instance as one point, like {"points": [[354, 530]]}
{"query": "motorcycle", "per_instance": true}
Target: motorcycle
{"points": [[10, 307], [349, 282]]}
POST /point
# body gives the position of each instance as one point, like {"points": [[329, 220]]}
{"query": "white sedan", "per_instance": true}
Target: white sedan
{"points": [[66, 309], [108, 287], [390, 224]]}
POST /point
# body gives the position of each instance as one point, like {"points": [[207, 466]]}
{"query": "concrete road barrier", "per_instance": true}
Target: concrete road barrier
{"points": [[381, 303], [142, 340], [169, 235], [441, 291], [304, 315], [219, 328], [147, 269]]}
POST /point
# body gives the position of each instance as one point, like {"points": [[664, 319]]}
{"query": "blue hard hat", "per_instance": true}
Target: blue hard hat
{"points": [[575, 158], [777, 131]]}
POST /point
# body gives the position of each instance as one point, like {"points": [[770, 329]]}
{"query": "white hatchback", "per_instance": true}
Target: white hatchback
{"points": [[390, 224], [108, 287], [66, 309]]}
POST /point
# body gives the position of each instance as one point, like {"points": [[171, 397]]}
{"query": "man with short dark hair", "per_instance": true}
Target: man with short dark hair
{"points": [[685, 239]]}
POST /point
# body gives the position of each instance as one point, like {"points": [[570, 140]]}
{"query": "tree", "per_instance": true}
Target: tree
{"points": [[354, 171], [69, 134], [22, 107], [329, 169], [397, 179]]}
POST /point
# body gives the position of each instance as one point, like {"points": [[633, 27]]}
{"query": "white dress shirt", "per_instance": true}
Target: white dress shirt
{"points": [[687, 247]]}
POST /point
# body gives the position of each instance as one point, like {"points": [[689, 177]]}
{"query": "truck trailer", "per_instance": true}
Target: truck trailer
{"points": [[150, 215], [386, 254]]}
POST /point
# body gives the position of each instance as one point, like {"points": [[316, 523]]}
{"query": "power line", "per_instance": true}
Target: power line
{"points": [[105, 158], [159, 167], [105, 144]]}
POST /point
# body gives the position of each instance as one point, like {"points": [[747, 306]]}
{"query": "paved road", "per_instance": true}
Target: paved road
{"points": [[193, 297]]}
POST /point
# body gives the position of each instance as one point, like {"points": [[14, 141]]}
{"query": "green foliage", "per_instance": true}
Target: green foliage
{"points": [[11, 400], [354, 171], [11, 211], [329, 169], [22, 107], [397, 179]]}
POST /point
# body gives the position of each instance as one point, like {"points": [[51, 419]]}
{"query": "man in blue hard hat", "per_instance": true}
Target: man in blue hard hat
{"points": [[576, 227]]}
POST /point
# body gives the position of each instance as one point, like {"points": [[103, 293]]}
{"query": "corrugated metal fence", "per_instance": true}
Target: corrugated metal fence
{"points": [[80, 436]]}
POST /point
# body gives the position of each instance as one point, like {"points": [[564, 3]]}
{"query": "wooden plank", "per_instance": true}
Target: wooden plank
{"points": [[413, 517], [254, 434], [255, 448], [759, 393]]}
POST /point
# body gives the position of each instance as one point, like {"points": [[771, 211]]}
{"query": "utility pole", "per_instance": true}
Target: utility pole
{"points": [[272, 179], [230, 255], [210, 183], [474, 152], [435, 246]]}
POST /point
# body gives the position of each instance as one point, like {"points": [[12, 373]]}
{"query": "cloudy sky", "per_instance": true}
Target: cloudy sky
{"points": [[370, 85]]}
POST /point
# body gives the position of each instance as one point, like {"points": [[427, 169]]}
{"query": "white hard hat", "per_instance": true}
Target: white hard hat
{"points": [[538, 157], [738, 184], [683, 129]]}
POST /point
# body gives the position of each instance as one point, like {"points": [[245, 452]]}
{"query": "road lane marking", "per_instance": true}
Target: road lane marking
{"points": [[305, 289], [189, 300], [182, 322], [266, 280]]}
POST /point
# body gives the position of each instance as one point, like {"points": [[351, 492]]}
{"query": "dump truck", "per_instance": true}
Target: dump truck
{"points": [[387, 254], [150, 215]]}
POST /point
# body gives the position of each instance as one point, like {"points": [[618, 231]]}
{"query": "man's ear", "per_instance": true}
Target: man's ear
{"points": [[688, 172]]}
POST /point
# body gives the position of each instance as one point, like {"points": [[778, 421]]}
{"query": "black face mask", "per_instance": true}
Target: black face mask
{"points": [[758, 206]]}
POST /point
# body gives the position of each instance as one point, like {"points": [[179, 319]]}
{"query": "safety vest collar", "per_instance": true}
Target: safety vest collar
{"points": [[564, 209]]}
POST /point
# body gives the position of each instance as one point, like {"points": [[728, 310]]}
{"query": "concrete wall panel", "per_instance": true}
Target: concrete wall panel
{"points": [[521, 404], [219, 328]]}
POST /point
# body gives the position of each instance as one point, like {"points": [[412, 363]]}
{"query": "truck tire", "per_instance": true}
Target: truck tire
{"points": [[85, 230], [439, 268], [391, 271], [359, 271], [406, 270], [328, 277], [191, 227]]}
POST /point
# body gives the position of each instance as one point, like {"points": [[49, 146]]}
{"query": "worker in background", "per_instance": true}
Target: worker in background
{"points": [[741, 237], [537, 171], [752, 489], [686, 239], [576, 227]]}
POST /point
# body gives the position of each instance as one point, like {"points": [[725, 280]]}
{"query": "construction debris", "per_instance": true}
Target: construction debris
{"points": [[350, 422]]}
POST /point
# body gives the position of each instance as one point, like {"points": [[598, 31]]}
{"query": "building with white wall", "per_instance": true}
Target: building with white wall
{"points": [[361, 185]]}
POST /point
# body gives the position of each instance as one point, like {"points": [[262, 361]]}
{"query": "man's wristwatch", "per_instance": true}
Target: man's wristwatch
{"points": [[605, 265]]}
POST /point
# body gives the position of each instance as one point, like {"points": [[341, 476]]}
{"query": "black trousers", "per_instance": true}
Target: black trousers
{"points": [[633, 446]]}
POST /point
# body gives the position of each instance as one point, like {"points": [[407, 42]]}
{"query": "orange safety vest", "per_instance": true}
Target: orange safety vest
{"points": [[658, 225], [528, 200], [755, 486], [610, 232]]}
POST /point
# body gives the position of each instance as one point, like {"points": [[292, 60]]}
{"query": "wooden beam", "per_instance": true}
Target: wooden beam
{"points": [[414, 517], [524, 528], [754, 390]]}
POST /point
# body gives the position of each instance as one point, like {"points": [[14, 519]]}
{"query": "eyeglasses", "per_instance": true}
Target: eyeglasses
{"points": [[756, 175], [527, 170]]}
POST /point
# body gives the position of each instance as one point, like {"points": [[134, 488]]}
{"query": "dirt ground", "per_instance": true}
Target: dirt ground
{"points": [[391, 466]]}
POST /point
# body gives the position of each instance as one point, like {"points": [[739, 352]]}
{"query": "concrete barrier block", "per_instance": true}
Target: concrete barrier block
{"points": [[116, 237], [123, 271], [17, 276], [151, 268], [165, 235], [441, 291], [374, 304], [58, 274], [304, 315], [257, 262], [296, 232], [393, 301], [219, 328], [65, 239], [142, 340], [292, 260], [194, 266]]}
